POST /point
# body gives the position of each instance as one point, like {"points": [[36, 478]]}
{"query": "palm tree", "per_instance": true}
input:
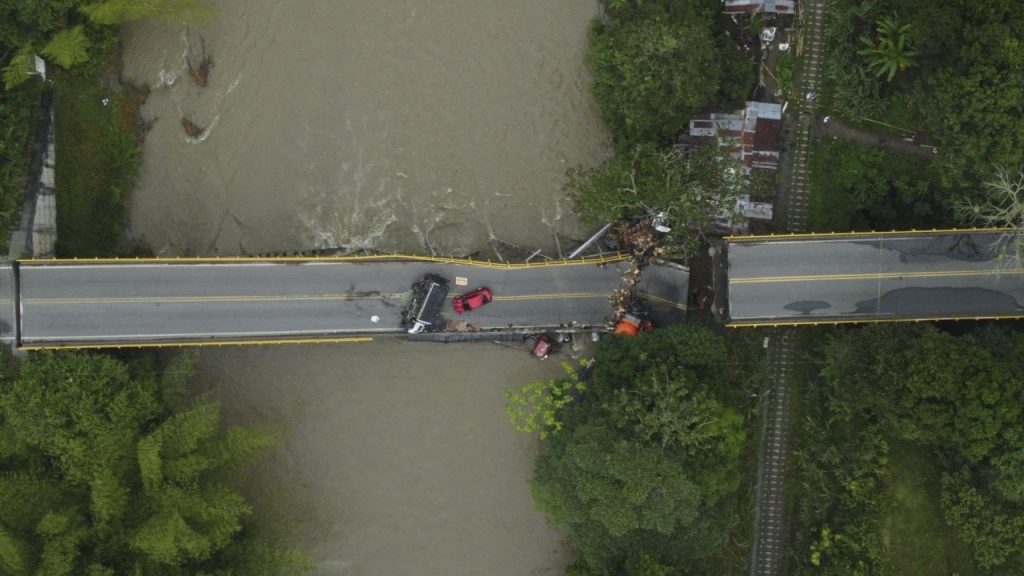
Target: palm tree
{"points": [[891, 52]]}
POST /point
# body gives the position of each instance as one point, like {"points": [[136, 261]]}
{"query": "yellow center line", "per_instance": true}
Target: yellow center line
{"points": [[678, 305], [564, 295], [201, 299], [873, 276]]}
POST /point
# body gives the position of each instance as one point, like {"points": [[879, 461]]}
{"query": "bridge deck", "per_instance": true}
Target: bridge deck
{"points": [[872, 277], [79, 304]]}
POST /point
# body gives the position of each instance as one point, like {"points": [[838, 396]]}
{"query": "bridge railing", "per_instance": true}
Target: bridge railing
{"points": [[604, 258]]}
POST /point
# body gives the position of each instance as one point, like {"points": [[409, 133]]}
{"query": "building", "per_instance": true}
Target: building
{"points": [[751, 135], [752, 6]]}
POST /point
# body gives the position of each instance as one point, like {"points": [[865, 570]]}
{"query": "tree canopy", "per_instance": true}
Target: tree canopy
{"points": [[645, 460], [961, 396], [655, 63], [70, 32], [975, 94], [646, 75], [104, 471]]}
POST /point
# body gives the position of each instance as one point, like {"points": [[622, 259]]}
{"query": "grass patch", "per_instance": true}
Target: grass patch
{"points": [[899, 116], [98, 156], [733, 559], [19, 113], [787, 70], [918, 542], [854, 187]]}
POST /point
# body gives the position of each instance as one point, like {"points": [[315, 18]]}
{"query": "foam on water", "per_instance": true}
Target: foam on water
{"points": [[479, 102]]}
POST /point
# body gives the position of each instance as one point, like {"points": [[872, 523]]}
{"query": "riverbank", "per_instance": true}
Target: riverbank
{"points": [[98, 149], [22, 145]]}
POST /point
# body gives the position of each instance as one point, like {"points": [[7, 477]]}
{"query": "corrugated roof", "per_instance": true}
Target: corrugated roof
{"points": [[751, 134], [750, 6]]}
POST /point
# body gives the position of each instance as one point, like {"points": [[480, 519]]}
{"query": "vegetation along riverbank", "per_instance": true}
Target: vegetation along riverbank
{"points": [[906, 448], [907, 454], [108, 464]]}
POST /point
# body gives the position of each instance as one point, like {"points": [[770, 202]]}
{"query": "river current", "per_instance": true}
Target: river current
{"points": [[396, 125]]}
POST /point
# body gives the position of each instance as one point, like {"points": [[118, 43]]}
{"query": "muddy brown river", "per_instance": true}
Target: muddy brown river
{"points": [[397, 125]]}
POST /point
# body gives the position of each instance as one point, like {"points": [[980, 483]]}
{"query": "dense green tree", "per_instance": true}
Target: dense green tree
{"points": [[64, 31], [650, 76], [971, 88], [1008, 477], [860, 188], [967, 90], [104, 470], [856, 91], [959, 395], [594, 475], [994, 531], [656, 62], [33, 21], [931, 386], [537, 406], [623, 499], [642, 466]]}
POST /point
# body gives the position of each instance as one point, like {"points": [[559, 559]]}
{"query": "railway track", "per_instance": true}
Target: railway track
{"points": [[769, 542], [768, 550], [797, 191]]}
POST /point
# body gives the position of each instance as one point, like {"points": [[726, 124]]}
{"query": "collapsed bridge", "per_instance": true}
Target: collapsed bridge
{"points": [[216, 301], [759, 281]]}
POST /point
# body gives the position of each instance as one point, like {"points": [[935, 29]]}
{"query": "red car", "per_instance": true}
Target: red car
{"points": [[545, 345], [472, 300]]}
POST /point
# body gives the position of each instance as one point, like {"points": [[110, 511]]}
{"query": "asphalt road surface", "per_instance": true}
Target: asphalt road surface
{"points": [[78, 304], [876, 277]]}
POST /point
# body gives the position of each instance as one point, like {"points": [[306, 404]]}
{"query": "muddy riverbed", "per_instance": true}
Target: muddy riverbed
{"points": [[394, 125]]}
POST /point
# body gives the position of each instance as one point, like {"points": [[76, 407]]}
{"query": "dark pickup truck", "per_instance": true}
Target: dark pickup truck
{"points": [[424, 311]]}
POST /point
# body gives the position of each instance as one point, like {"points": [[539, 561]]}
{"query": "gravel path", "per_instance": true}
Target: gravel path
{"points": [[836, 129]]}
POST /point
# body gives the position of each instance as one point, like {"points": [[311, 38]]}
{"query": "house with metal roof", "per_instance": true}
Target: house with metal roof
{"points": [[752, 135], [753, 6]]}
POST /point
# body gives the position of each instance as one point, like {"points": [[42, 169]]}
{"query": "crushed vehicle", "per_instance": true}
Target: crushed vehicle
{"points": [[634, 321], [541, 345], [424, 310]]}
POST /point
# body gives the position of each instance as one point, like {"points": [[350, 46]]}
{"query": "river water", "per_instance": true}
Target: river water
{"points": [[395, 124], [398, 457], [400, 126]]}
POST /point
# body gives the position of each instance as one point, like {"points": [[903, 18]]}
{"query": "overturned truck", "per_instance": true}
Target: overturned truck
{"points": [[424, 310]]}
